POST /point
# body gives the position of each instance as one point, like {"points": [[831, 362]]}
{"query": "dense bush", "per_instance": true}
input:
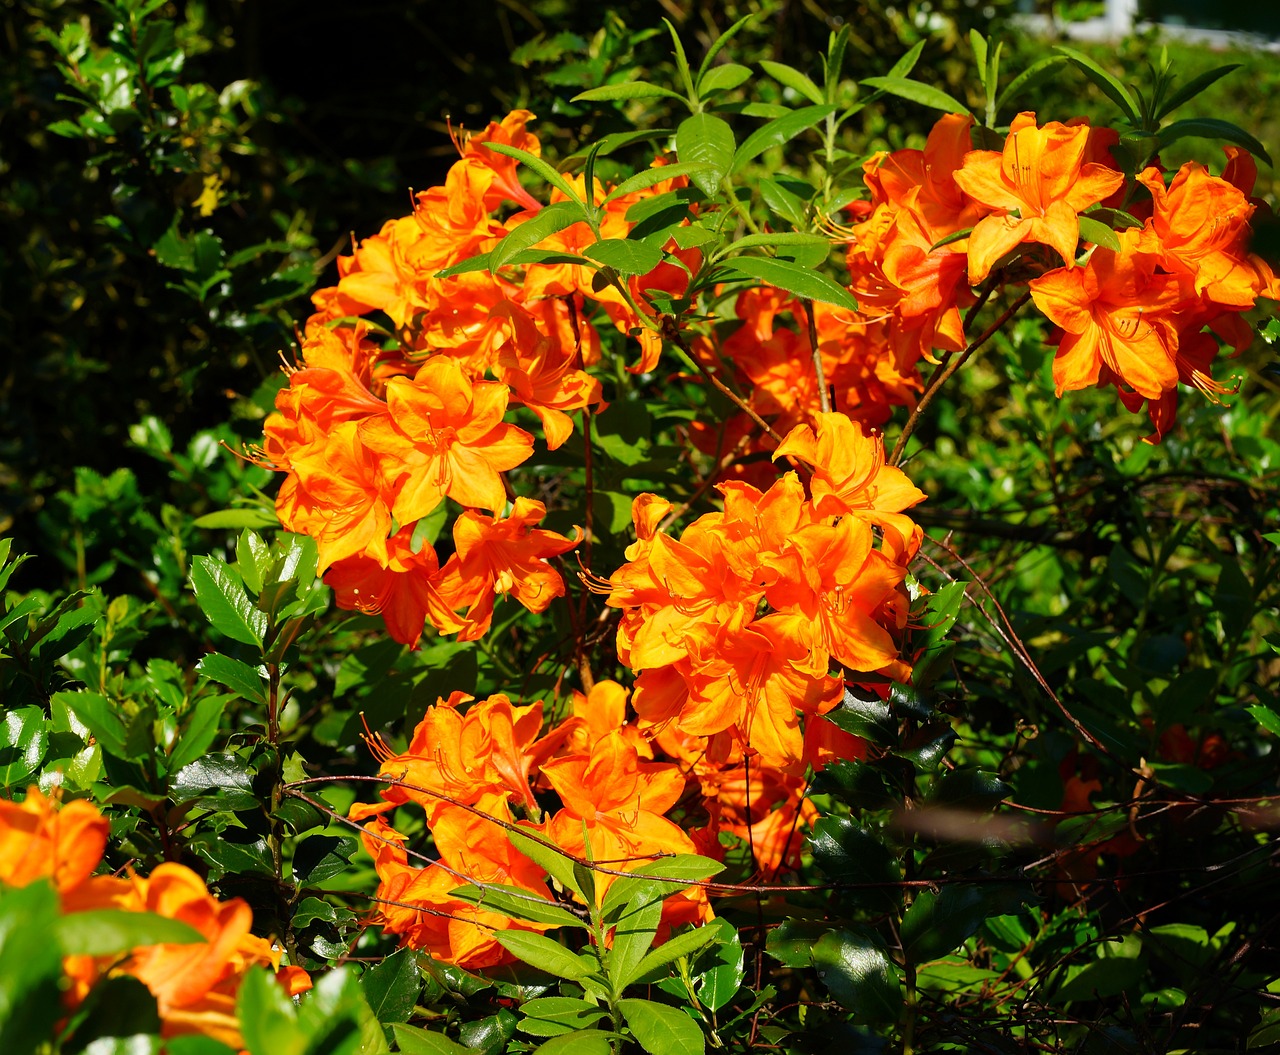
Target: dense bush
{"points": [[557, 654]]}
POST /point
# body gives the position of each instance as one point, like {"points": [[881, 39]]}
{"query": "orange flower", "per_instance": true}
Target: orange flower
{"points": [[415, 903], [850, 476], [39, 840], [507, 556], [1038, 185], [445, 436], [195, 985], [1115, 312], [1203, 225], [404, 590]]}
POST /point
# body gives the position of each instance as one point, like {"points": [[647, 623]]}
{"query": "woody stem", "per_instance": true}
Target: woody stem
{"points": [[724, 389], [940, 377], [824, 399]]}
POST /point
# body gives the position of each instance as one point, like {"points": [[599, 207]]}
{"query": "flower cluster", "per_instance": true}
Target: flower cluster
{"points": [[390, 412], [480, 773], [1142, 315], [195, 985]]}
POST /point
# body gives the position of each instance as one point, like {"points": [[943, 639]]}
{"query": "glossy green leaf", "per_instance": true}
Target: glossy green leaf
{"points": [[1211, 128], [1098, 233], [222, 598], [924, 94], [855, 967], [554, 1015], [24, 739], [240, 678], [549, 221], [625, 256], [626, 90], [937, 923], [544, 953], [803, 282], [542, 168], [414, 1041], [657, 880], [662, 1030], [582, 1042], [724, 78], [669, 951], [778, 131], [517, 904], [1111, 87], [102, 932], [704, 139], [392, 986]]}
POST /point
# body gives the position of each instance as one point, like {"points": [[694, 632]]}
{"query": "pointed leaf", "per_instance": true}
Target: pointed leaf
{"points": [[221, 597], [414, 1041], [1211, 128], [792, 78], [550, 1016], [103, 932], [626, 90], [1098, 233], [671, 950], [625, 256], [705, 139], [662, 1030], [542, 168], [517, 904], [543, 225], [1193, 88], [239, 677], [811, 285], [855, 967], [778, 131], [544, 953], [1111, 87], [916, 92]]}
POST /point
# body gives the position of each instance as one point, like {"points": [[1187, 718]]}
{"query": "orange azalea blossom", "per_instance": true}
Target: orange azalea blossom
{"points": [[544, 372], [335, 493], [613, 815], [850, 477], [1203, 225], [1116, 312], [600, 712], [445, 436], [506, 556], [39, 840], [194, 985], [415, 903], [405, 590], [481, 758], [498, 169], [1037, 186]]}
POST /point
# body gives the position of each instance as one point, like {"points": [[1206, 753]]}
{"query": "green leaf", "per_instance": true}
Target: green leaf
{"points": [[253, 557], [225, 779], [1266, 717], [1111, 87], [543, 225], [625, 256], [646, 178], [908, 61], [1028, 78], [30, 968], [199, 731], [848, 853], [221, 597], [1211, 128], [969, 788], [979, 45], [414, 1041], [553, 862], [392, 987], [662, 1030], [542, 952], [657, 880], [792, 941], [239, 677], [551, 1016], [1098, 233], [792, 78], [248, 517], [518, 904], [268, 1019], [626, 90], [583, 1042], [542, 168], [102, 932], [718, 45], [321, 857], [811, 285], [705, 139], [720, 970], [24, 739], [101, 717], [779, 131], [855, 967], [669, 951], [637, 926], [782, 238], [924, 94], [938, 923], [724, 78], [1193, 88], [682, 61]]}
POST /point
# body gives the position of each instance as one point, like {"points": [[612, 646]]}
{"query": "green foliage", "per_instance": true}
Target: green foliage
{"points": [[1044, 842]]}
